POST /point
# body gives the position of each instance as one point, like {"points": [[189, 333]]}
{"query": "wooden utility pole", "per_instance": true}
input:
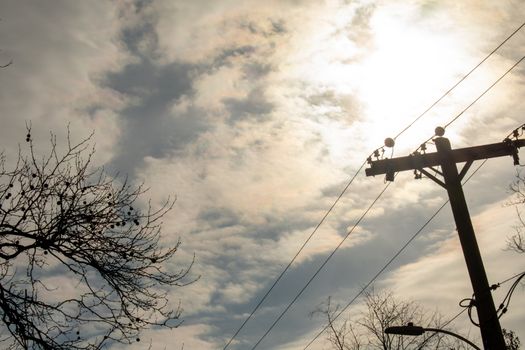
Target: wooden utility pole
{"points": [[447, 159]]}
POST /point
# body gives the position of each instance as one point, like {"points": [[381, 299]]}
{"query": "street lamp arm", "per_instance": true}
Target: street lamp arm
{"points": [[437, 330]]}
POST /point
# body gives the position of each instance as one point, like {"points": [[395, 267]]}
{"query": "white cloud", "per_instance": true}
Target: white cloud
{"points": [[441, 278], [255, 115], [58, 52]]}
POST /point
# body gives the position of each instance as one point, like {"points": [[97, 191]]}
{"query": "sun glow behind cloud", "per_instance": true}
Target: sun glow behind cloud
{"points": [[257, 114], [378, 83], [408, 68], [400, 72]]}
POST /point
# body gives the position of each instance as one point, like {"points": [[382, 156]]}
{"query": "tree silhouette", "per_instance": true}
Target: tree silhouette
{"points": [[517, 241], [81, 264], [382, 310]]}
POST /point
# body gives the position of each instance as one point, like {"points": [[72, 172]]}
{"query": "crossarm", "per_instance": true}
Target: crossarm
{"points": [[460, 155]]}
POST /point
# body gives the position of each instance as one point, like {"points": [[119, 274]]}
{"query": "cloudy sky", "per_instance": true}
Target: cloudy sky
{"points": [[256, 114]]}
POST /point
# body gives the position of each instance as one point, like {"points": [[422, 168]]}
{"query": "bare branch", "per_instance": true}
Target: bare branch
{"points": [[383, 310], [516, 241], [59, 216]]}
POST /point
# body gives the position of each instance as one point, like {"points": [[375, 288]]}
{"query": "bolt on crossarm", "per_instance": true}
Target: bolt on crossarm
{"points": [[447, 159]]}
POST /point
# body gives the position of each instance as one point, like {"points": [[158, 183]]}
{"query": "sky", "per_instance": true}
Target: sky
{"points": [[255, 115]]}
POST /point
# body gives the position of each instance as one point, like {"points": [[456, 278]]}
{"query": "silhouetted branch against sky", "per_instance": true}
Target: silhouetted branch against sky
{"points": [[256, 114], [516, 241], [383, 309], [82, 265]]}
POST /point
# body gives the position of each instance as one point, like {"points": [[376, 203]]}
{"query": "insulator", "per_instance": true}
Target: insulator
{"points": [[423, 147], [389, 142], [439, 131], [376, 153]]}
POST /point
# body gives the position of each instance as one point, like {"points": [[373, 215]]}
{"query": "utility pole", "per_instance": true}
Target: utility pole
{"points": [[447, 159]]}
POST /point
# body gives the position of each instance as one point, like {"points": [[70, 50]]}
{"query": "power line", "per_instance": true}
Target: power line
{"points": [[374, 278], [487, 90], [480, 96], [511, 278], [453, 318], [467, 308], [322, 265], [460, 80], [448, 124], [417, 233], [295, 256], [359, 170], [503, 307], [377, 274], [420, 346], [328, 258]]}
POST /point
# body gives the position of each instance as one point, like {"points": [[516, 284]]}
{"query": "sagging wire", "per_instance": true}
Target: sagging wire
{"points": [[503, 307], [320, 268], [470, 303], [276, 281]]}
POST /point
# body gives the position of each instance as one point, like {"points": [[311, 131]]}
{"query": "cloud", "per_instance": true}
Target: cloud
{"points": [[148, 125], [53, 70], [254, 105], [255, 116], [183, 337], [440, 277]]}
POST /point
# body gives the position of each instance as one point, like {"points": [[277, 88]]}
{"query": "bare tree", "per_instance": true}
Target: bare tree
{"points": [[517, 241], [382, 310], [342, 335], [81, 264]]}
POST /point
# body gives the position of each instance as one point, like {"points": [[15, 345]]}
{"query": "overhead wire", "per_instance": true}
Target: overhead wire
{"points": [[470, 303], [484, 92], [358, 171], [392, 259], [480, 96], [296, 255], [494, 286], [448, 124], [461, 80], [420, 346], [511, 277], [374, 278], [503, 307], [322, 265]]}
